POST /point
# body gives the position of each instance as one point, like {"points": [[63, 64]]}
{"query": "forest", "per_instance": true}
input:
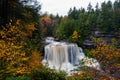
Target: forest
{"points": [[23, 29]]}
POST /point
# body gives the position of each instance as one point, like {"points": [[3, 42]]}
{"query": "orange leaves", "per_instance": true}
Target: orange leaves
{"points": [[45, 21], [35, 59], [106, 53]]}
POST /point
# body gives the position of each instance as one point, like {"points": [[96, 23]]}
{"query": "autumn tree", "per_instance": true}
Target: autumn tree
{"points": [[20, 35], [45, 23], [107, 55], [49, 24], [12, 57]]}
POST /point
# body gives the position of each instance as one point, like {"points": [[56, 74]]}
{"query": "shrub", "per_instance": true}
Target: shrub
{"points": [[48, 74], [19, 78]]}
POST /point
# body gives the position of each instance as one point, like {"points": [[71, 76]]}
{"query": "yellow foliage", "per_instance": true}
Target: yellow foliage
{"points": [[35, 59], [11, 43], [30, 28], [104, 52], [75, 35]]}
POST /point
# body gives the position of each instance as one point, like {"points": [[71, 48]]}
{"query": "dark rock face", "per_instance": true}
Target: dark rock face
{"points": [[107, 37], [88, 44]]}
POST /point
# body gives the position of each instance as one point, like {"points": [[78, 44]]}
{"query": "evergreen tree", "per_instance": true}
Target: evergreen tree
{"points": [[89, 8], [106, 18]]}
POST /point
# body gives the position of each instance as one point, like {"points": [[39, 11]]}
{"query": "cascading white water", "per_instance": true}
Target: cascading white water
{"points": [[62, 56]]}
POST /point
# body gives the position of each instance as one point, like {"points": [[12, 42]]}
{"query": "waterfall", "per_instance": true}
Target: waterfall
{"points": [[62, 56]]}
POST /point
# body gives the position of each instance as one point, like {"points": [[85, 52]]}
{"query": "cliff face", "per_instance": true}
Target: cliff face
{"points": [[107, 37]]}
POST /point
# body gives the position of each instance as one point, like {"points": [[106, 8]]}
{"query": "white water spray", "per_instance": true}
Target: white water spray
{"points": [[63, 56]]}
